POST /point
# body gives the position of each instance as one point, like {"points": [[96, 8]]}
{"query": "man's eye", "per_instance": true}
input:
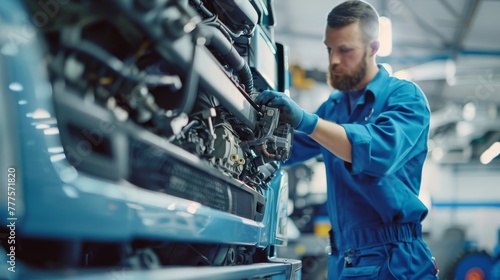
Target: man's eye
{"points": [[345, 50], [329, 50]]}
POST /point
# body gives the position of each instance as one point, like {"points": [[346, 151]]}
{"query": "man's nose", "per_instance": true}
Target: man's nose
{"points": [[334, 58]]}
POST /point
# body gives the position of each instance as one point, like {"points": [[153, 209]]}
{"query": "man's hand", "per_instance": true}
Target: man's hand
{"points": [[290, 112]]}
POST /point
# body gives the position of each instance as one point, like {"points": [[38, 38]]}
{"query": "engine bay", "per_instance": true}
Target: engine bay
{"points": [[187, 71]]}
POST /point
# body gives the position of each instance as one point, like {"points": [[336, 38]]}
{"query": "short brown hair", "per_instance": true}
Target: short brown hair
{"points": [[352, 11]]}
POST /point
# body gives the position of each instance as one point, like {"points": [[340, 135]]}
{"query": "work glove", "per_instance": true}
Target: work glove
{"points": [[290, 112]]}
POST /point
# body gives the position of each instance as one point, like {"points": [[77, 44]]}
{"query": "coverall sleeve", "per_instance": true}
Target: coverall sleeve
{"points": [[398, 133], [303, 148]]}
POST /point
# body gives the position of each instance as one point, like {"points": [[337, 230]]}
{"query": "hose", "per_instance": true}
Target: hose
{"points": [[230, 55]]}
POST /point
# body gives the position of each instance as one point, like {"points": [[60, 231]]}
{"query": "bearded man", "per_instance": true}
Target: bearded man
{"points": [[372, 133]]}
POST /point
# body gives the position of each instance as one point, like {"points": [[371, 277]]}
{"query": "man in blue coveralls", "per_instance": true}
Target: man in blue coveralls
{"points": [[372, 133]]}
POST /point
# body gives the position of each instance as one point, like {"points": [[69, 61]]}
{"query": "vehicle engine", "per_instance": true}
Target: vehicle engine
{"points": [[147, 130], [186, 71]]}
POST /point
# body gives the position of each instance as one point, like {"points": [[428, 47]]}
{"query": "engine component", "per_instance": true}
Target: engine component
{"points": [[227, 152], [214, 38], [238, 14]]}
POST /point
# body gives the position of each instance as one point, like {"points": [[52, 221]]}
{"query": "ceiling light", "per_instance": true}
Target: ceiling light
{"points": [[490, 153], [450, 69], [385, 36], [437, 154], [469, 111], [464, 129], [39, 114], [51, 131], [16, 86]]}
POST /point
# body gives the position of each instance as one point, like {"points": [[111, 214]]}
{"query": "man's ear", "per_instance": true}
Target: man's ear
{"points": [[374, 46]]}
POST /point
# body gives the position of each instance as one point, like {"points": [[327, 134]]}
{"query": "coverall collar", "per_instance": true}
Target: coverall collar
{"points": [[378, 82]]}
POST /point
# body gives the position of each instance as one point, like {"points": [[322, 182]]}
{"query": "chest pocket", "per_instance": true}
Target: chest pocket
{"points": [[370, 110], [363, 114]]}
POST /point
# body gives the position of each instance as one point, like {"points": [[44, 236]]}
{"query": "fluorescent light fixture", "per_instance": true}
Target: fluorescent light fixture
{"points": [[469, 111], [490, 153], [16, 87], [438, 69], [437, 154], [450, 69], [464, 128], [42, 126], [39, 114], [385, 36], [51, 131]]}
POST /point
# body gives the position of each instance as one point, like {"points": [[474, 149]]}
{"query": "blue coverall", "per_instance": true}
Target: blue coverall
{"points": [[373, 202]]}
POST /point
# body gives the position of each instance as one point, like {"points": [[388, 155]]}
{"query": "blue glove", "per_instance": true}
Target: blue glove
{"points": [[290, 112]]}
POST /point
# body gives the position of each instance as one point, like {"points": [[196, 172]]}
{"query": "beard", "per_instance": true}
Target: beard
{"points": [[348, 82]]}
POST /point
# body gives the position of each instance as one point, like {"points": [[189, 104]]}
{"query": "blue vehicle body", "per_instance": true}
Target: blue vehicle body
{"points": [[54, 198]]}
